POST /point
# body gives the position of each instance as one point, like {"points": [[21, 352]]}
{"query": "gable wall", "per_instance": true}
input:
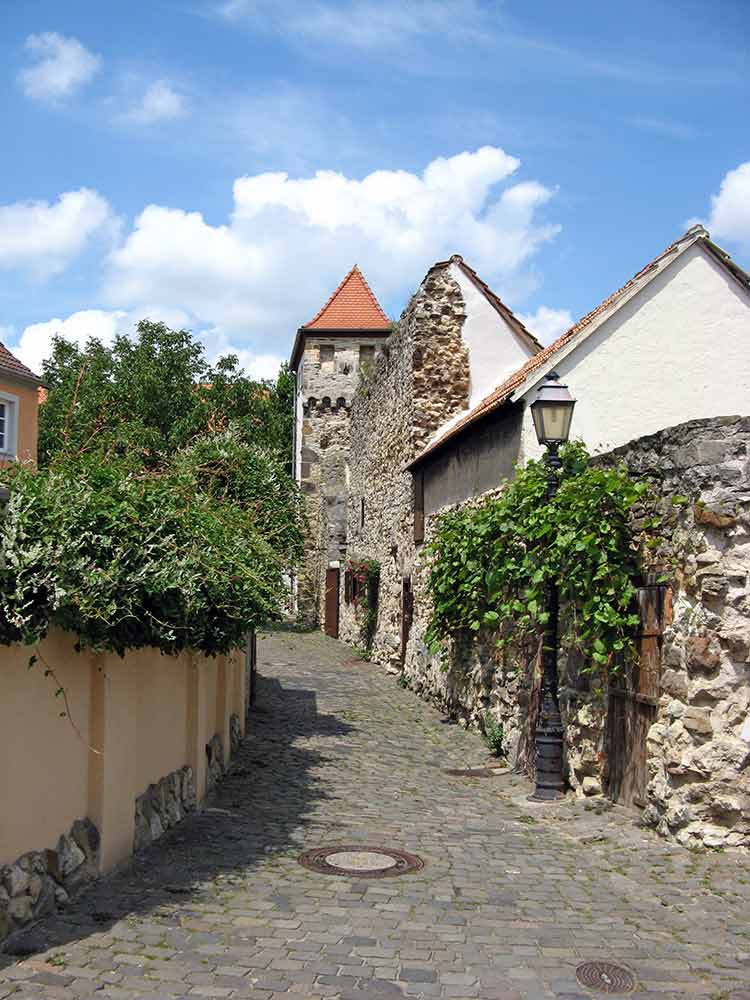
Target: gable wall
{"points": [[678, 350], [495, 351]]}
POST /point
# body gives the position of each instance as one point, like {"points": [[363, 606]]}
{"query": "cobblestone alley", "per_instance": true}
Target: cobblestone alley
{"points": [[511, 899]]}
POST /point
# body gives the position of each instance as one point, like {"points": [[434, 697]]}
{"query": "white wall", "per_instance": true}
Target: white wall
{"points": [[495, 351], [678, 350]]}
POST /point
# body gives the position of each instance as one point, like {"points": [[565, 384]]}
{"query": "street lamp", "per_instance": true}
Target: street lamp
{"points": [[552, 411]]}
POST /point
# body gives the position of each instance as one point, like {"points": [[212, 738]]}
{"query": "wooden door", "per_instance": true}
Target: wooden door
{"points": [[407, 614], [633, 701], [332, 603]]}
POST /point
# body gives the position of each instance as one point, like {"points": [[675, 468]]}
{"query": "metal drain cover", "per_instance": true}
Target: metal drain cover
{"points": [[360, 861], [473, 772], [605, 977]]}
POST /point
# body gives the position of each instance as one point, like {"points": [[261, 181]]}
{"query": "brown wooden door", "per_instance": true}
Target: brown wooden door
{"points": [[332, 603], [633, 701]]}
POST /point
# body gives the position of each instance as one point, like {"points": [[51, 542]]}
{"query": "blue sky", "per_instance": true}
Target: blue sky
{"points": [[222, 163]]}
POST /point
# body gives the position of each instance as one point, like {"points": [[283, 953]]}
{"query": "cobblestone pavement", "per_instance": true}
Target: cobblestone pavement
{"points": [[512, 897]]}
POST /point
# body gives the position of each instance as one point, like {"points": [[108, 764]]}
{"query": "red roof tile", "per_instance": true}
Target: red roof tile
{"points": [[505, 390], [10, 365], [351, 307]]}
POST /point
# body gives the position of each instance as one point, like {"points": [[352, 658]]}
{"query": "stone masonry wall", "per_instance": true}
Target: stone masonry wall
{"points": [[327, 387], [419, 381], [699, 746], [163, 805], [40, 882]]}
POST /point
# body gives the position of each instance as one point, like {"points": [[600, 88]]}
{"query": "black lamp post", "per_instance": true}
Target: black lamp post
{"points": [[552, 411]]}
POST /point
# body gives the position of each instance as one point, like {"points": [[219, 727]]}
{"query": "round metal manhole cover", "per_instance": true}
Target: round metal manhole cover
{"points": [[361, 862], [605, 977]]}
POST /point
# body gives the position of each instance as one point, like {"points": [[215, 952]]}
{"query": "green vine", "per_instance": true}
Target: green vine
{"points": [[491, 562], [365, 574]]}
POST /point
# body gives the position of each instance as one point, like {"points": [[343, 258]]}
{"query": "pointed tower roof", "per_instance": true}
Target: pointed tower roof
{"points": [[352, 308]]}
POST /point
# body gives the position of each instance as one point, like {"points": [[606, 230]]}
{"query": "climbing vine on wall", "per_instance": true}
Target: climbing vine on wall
{"points": [[363, 585], [491, 562]]}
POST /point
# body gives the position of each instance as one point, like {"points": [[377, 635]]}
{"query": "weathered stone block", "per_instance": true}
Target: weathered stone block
{"points": [[15, 879], [697, 721], [703, 653]]}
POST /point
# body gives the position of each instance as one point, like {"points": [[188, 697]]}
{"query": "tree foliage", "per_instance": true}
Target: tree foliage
{"points": [[164, 513], [491, 562], [148, 396]]}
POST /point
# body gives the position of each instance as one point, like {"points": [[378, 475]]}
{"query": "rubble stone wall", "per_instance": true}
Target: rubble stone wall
{"points": [[325, 396], [699, 746], [418, 382], [163, 805], [40, 882]]}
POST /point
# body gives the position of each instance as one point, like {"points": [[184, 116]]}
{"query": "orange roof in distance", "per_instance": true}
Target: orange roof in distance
{"points": [[352, 306]]}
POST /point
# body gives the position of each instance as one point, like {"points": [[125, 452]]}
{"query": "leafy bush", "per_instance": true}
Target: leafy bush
{"points": [[365, 575], [127, 558], [491, 562], [493, 735]]}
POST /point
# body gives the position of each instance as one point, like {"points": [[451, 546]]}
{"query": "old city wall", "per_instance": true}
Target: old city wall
{"points": [[327, 389], [418, 382], [698, 748]]}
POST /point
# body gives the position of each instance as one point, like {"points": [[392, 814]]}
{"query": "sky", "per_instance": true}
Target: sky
{"points": [[221, 164]]}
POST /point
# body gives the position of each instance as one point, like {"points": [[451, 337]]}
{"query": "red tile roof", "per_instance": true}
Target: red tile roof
{"points": [[351, 307], [10, 365], [499, 396]]}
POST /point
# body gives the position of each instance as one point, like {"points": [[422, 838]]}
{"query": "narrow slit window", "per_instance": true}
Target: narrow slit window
{"points": [[3, 426]]}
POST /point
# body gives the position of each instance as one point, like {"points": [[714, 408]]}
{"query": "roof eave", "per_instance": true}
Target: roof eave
{"points": [[29, 379]]}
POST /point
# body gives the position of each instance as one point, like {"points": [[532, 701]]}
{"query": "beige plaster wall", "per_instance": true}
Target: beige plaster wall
{"points": [[162, 695], [136, 719], [28, 411], [39, 747]]}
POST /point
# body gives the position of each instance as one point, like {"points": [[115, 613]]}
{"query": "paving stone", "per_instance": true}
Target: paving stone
{"points": [[513, 896]]}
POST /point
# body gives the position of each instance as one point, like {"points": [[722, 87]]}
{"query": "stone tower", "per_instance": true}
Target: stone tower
{"points": [[328, 354]]}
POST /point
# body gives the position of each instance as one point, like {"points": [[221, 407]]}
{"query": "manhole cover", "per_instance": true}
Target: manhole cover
{"points": [[605, 977], [473, 772], [363, 862]]}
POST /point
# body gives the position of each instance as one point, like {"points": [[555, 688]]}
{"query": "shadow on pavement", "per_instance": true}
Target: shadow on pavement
{"points": [[266, 795]]}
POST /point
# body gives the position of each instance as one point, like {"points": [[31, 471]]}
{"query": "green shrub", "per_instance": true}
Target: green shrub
{"points": [[492, 562], [179, 557]]}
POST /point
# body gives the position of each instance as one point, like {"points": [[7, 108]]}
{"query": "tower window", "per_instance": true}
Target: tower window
{"points": [[366, 354], [327, 352], [362, 513]]}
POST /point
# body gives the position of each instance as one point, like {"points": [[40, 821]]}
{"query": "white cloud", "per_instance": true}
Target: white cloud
{"points": [[43, 238], [290, 241], [730, 208], [547, 324], [160, 102], [35, 343], [63, 65]]}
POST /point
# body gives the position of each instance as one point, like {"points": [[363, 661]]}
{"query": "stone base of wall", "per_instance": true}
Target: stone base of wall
{"points": [[235, 734], [163, 805], [215, 755], [41, 882]]}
